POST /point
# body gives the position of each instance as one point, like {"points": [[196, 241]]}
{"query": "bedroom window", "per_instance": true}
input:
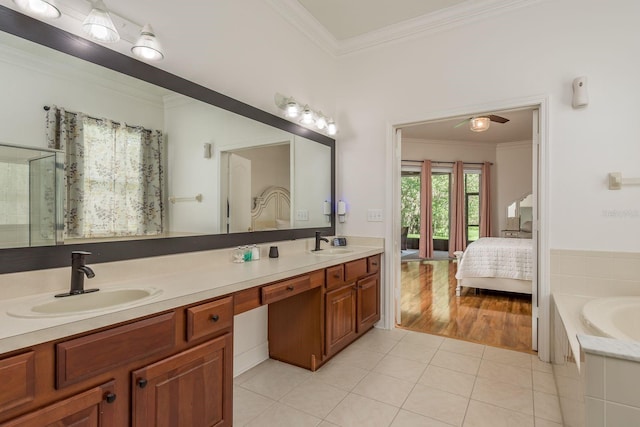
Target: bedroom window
{"points": [[472, 204]]}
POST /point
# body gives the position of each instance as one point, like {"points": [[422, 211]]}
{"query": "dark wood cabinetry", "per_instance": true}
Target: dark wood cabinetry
{"points": [[184, 355], [92, 408], [353, 308], [175, 368], [192, 388]]}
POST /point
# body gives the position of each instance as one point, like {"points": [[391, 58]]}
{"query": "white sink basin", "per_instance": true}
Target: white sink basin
{"points": [[614, 317], [333, 251], [104, 299]]}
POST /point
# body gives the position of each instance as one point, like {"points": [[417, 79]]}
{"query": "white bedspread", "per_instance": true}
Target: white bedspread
{"points": [[497, 257]]}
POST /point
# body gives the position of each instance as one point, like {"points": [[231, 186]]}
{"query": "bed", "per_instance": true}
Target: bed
{"points": [[271, 210], [497, 264]]}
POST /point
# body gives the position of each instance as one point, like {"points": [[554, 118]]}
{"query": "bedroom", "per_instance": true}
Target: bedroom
{"points": [[495, 315]]}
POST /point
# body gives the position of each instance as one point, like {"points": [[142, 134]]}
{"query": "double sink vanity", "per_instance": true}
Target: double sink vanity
{"points": [[168, 356]]}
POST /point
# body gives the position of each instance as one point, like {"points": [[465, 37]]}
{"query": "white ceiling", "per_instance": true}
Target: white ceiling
{"points": [[346, 19], [518, 128]]}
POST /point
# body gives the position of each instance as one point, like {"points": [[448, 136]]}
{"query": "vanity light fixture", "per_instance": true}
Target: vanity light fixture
{"points": [[292, 109], [332, 129], [42, 8], [307, 116], [147, 46], [479, 124], [98, 24]]}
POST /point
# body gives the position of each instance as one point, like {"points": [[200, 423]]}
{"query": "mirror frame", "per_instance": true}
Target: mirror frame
{"points": [[43, 257]]}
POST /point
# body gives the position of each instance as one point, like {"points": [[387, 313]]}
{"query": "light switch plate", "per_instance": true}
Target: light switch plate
{"points": [[374, 215], [302, 215]]}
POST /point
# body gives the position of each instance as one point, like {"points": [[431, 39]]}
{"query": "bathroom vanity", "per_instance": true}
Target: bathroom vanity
{"points": [[172, 358]]}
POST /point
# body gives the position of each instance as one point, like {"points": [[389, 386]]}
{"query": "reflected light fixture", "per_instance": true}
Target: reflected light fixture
{"points": [[41, 8], [147, 46], [321, 121], [98, 24], [479, 124]]}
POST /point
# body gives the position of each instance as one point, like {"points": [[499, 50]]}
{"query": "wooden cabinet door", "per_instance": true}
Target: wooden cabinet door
{"points": [[340, 318], [193, 388], [368, 302], [92, 408]]}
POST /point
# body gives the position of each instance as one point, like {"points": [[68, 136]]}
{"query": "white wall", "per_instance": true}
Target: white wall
{"points": [[534, 50], [270, 166], [512, 172], [312, 182]]}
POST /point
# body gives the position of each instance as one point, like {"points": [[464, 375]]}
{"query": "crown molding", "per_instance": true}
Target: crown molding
{"points": [[294, 13]]}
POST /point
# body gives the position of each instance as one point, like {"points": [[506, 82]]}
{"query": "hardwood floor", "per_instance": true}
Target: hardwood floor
{"points": [[429, 304]]}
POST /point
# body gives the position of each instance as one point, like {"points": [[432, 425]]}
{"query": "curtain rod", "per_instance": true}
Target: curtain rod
{"points": [[47, 108], [448, 163]]}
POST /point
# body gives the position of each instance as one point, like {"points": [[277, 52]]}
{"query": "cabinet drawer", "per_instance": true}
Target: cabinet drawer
{"points": [[210, 318], [85, 357], [281, 290], [335, 276], [18, 380], [355, 269], [373, 264]]}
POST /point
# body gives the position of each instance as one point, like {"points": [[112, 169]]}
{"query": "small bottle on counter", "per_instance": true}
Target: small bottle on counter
{"points": [[255, 253], [238, 255], [247, 253]]}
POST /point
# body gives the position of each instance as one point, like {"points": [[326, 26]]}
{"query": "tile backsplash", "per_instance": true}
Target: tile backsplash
{"points": [[595, 273]]}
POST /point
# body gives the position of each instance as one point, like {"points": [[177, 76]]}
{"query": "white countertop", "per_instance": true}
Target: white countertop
{"points": [[208, 275]]}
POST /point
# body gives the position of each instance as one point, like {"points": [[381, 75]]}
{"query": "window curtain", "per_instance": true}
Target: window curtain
{"points": [[485, 200], [118, 168], [65, 131], [426, 202], [457, 232]]}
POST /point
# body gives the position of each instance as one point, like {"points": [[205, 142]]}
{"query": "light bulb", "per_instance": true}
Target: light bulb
{"points": [[479, 124], [332, 129], [45, 9], [321, 121], [307, 115], [292, 109], [147, 46]]}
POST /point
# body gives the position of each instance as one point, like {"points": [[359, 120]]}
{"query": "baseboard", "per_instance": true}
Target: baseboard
{"points": [[250, 358]]}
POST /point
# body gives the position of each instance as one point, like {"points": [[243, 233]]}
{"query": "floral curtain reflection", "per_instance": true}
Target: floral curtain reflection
{"points": [[113, 176]]}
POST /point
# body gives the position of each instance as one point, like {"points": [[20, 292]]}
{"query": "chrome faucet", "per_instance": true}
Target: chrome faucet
{"points": [[318, 239], [78, 271]]}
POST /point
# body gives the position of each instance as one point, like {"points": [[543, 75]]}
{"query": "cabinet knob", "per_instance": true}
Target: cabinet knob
{"points": [[110, 397], [289, 288], [215, 318], [142, 383], [375, 264], [336, 276]]}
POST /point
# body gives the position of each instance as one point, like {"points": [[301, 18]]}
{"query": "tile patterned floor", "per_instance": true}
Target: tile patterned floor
{"points": [[401, 378]]}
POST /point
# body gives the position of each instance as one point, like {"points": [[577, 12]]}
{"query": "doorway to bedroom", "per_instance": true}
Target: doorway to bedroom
{"points": [[497, 315]]}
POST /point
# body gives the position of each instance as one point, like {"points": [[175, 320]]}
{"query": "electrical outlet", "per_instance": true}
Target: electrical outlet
{"points": [[374, 215], [302, 215]]}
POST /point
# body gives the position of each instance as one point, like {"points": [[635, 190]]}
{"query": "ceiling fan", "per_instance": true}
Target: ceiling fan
{"points": [[481, 123]]}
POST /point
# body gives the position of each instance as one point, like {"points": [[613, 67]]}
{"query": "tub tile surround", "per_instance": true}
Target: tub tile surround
{"points": [[183, 278], [597, 377]]}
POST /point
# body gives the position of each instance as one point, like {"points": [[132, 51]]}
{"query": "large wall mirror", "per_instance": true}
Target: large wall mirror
{"points": [[219, 173]]}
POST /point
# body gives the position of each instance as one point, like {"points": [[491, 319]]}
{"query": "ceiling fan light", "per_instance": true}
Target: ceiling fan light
{"points": [[479, 124], [147, 46], [42, 8], [98, 24]]}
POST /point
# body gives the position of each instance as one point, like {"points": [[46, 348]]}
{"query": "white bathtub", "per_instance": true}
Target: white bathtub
{"points": [[614, 317]]}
